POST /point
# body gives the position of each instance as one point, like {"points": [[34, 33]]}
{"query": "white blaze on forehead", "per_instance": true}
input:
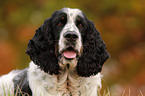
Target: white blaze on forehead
{"points": [[71, 18], [72, 13]]}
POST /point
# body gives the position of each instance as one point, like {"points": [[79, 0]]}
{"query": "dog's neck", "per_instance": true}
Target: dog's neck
{"points": [[67, 83], [66, 64]]}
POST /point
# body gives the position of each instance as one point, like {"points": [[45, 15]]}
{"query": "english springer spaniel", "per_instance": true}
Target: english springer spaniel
{"points": [[67, 54]]}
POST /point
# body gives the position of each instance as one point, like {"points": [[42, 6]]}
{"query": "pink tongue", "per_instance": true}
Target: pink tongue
{"points": [[69, 54]]}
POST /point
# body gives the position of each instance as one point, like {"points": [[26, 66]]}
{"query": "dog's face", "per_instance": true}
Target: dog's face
{"points": [[68, 39], [70, 36]]}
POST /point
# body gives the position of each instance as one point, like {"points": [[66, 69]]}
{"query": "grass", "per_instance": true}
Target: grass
{"points": [[124, 93], [8, 93], [104, 93]]}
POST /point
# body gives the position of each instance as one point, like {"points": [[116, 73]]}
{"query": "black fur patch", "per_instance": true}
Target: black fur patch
{"points": [[41, 48], [94, 52]]}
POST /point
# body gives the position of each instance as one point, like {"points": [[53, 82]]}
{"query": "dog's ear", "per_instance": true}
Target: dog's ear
{"points": [[41, 48], [94, 52]]}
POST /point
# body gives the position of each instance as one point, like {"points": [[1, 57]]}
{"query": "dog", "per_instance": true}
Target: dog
{"points": [[67, 54]]}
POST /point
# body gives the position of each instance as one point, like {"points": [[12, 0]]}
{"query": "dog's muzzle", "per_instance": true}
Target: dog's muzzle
{"points": [[69, 51], [71, 36]]}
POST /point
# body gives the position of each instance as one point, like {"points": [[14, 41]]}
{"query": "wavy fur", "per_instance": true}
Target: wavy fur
{"points": [[41, 49], [94, 52]]}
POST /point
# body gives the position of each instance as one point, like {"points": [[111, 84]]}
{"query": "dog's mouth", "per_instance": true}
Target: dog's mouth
{"points": [[70, 53]]}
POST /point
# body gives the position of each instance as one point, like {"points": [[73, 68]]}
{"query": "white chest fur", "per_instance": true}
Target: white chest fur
{"points": [[68, 83]]}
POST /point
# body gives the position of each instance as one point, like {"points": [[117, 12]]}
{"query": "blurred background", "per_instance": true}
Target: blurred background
{"points": [[120, 22]]}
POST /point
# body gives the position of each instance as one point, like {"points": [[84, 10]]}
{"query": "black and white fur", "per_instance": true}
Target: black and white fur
{"points": [[50, 73]]}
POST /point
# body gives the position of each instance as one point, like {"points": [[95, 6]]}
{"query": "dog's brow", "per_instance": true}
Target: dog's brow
{"points": [[59, 16], [72, 12]]}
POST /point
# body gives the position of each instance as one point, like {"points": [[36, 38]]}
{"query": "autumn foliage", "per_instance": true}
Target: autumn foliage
{"points": [[120, 22]]}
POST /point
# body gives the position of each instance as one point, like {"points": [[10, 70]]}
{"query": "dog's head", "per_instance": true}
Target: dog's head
{"points": [[68, 39]]}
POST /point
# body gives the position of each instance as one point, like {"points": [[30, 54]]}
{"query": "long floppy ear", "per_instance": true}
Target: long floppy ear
{"points": [[94, 52], [41, 49]]}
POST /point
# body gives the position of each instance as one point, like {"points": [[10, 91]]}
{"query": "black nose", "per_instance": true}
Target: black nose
{"points": [[71, 36]]}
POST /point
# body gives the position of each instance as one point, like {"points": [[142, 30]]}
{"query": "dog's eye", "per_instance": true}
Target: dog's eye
{"points": [[80, 25], [61, 22], [62, 18]]}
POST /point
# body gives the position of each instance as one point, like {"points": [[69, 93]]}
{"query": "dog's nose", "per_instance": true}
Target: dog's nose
{"points": [[71, 36]]}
